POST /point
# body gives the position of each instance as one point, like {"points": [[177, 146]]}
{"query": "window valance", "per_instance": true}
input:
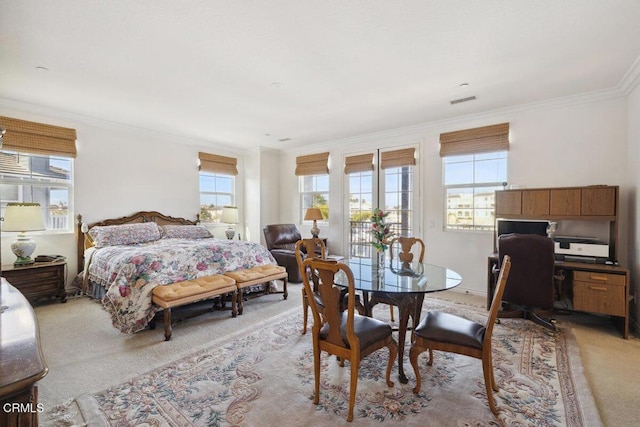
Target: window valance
{"points": [[477, 140], [359, 163], [218, 164], [397, 158], [313, 164], [37, 138]]}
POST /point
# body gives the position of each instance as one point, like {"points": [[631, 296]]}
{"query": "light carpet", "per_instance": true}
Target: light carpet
{"points": [[264, 376]]}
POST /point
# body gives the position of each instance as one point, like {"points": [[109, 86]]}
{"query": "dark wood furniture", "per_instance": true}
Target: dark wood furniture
{"points": [[21, 361], [38, 280], [593, 288], [447, 332]]}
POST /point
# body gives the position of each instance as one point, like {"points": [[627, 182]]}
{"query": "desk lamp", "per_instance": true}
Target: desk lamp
{"points": [[313, 214], [230, 216], [23, 217]]}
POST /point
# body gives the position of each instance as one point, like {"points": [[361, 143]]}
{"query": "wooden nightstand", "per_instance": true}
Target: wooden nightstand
{"points": [[41, 279]]}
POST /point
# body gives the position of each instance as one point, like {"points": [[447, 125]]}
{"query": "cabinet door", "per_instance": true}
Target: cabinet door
{"points": [[535, 202], [508, 202], [565, 201], [598, 201]]}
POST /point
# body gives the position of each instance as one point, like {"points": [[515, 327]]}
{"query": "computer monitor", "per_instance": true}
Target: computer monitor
{"points": [[507, 226]]}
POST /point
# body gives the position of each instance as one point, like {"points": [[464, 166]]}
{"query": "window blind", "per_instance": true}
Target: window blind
{"points": [[218, 164], [313, 164], [360, 163], [397, 158], [37, 138], [477, 140]]}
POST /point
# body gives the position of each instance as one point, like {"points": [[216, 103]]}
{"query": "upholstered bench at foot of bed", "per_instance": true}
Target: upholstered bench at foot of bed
{"points": [[255, 276], [189, 291]]}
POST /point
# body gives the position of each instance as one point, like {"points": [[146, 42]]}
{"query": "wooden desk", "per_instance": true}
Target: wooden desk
{"points": [[21, 359], [591, 288]]}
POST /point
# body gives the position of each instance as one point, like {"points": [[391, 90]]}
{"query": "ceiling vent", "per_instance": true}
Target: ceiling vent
{"points": [[461, 100], [284, 140]]}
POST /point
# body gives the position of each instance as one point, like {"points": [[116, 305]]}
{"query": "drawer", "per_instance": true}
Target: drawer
{"points": [[596, 277], [599, 297], [28, 277]]}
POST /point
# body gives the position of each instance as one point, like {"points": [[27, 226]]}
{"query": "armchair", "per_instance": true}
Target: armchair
{"points": [[281, 242]]}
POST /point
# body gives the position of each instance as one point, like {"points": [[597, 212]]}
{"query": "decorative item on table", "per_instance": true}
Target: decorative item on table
{"points": [[314, 214], [381, 232], [23, 217], [230, 216]]}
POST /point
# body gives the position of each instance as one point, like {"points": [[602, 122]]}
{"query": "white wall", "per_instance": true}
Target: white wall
{"points": [[120, 170], [553, 144]]}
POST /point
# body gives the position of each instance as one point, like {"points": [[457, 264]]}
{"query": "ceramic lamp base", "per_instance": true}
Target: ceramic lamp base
{"points": [[230, 233], [315, 231], [22, 248]]}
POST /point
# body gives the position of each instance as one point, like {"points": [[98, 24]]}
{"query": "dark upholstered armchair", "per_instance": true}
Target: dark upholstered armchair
{"points": [[281, 242]]}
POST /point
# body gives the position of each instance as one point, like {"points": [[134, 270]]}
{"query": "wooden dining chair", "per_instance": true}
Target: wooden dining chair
{"points": [[405, 254], [455, 334], [343, 333], [303, 247]]}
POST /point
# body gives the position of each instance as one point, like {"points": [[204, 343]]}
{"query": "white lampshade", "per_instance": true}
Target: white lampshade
{"points": [[23, 217], [229, 215]]}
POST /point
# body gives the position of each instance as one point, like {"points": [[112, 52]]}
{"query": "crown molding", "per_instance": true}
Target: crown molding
{"points": [[418, 131]]}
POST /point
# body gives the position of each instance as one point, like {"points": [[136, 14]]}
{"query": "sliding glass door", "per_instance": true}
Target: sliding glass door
{"points": [[385, 180]]}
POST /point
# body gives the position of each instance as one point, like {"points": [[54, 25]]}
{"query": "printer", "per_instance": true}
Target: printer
{"points": [[581, 249]]}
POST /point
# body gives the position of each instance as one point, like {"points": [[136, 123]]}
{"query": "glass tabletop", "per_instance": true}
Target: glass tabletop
{"points": [[398, 277]]}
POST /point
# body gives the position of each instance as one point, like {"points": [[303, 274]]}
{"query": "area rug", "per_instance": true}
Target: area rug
{"points": [[264, 376]]}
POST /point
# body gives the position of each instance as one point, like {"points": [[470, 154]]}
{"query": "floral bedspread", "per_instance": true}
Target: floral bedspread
{"points": [[130, 272]]}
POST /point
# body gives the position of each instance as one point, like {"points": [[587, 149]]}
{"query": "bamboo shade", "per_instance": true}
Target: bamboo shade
{"points": [[313, 164], [360, 163], [478, 140], [397, 158], [38, 138], [218, 164]]}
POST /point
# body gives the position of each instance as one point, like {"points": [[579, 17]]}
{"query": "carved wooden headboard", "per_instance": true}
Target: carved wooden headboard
{"points": [[84, 241]]}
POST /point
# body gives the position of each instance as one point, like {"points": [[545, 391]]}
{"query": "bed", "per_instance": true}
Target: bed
{"points": [[121, 261]]}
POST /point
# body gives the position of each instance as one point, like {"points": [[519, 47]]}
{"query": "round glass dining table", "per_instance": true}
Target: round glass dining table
{"points": [[404, 284]]}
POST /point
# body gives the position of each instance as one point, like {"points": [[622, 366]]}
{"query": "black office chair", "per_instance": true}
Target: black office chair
{"points": [[530, 290]]}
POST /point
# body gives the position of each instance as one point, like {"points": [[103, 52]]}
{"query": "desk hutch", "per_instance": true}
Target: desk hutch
{"points": [[591, 287]]}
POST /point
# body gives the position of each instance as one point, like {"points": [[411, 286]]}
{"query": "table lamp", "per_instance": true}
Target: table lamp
{"points": [[230, 216], [23, 217], [313, 214]]}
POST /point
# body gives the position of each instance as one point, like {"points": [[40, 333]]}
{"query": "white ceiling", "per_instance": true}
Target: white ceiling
{"points": [[248, 73]]}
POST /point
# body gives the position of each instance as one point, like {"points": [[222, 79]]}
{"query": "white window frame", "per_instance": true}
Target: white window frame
{"points": [[308, 187], [37, 188], [471, 207], [217, 208]]}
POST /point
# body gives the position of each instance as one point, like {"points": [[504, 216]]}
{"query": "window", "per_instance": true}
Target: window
{"points": [[389, 187], [313, 171], [43, 179], [314, 193], [470, 182], [216, 190]]}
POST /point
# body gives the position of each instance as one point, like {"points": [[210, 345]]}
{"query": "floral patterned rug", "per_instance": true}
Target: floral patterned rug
{"points": [[264, 376]]}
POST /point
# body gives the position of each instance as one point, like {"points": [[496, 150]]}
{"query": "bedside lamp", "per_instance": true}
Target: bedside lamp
{"points": [[229, 216], [23, 217], [313, 214]]}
